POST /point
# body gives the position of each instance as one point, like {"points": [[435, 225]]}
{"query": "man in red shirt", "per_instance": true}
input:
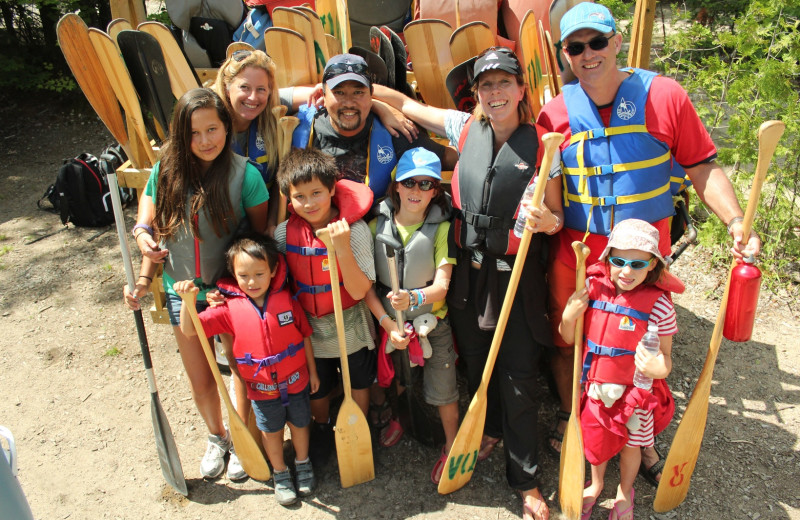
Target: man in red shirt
{"points": [[631, 139]]}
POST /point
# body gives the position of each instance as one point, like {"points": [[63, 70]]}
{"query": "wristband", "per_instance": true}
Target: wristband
{"points": [[146, 228], [145, 276], [380, 321], [422, 299], [733, 221], [555, 226]]}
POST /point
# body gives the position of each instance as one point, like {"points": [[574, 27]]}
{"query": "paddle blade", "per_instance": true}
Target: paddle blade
{"points": [[167, 450], [464, 453], [353, 445], [255, 432], [572, 469], [247, 449]]}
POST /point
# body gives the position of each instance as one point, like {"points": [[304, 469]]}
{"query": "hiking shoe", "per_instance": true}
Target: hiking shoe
{"points": [[213, 462], [285, 493], [321, 443], [235, 469], [305, 478]]}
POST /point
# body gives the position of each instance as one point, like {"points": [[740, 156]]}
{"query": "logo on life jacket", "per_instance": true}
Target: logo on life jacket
{"points": [[385, 154], [285, 318], [521, 166], [260, 143], [626, 110], [626, 324], [325, 266]]}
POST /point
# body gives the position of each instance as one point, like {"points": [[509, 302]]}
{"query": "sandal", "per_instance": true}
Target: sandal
{"points": [[534, 514], [619, 514], [391, 434], [487, 446], [650, 474], [588, 503], [554, 434], [378, 416], [438, 468]]}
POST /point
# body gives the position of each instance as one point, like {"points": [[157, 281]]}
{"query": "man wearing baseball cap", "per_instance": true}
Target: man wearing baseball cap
{"points": [[346, 128], [632, 140]]}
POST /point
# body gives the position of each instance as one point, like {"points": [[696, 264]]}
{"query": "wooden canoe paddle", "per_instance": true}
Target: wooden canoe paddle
{"points": [[247, 449], [73, 38], [321, 52], [182, 77], [298, 21], [531, 58], [464, 453], [288, 49], [353, 440], [431, 59], [286, 126], [165, 443], [572, 468], [116, 26], [117, 75], [131, 10], [682, 457], [469, 40], [642, 34]]}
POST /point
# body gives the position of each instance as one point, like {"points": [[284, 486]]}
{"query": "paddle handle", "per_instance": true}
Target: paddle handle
{"points": [[324, 235], [581, 254]]}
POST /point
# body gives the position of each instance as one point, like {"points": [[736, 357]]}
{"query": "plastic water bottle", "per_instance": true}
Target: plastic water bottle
{"points": [[522, 217], [650, 342], [740, 314]]}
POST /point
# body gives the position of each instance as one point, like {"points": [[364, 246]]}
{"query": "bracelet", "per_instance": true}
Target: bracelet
{"points": [[147, 229], [380, 321], [733, 221], [555, 227], [413, 300], [145, 276], [421, 298]]}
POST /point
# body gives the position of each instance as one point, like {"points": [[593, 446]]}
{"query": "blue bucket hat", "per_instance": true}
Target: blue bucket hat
{"points": [[587, 15], [419, 161]]}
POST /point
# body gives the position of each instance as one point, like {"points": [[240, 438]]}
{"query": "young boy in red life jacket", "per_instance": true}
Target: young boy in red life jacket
{"points": [[627, 291], [307, 177], [271, 352]]}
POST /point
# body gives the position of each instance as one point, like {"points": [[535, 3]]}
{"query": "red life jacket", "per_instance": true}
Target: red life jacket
{"points": [[267, 343], [308, 258], [616, 323]]}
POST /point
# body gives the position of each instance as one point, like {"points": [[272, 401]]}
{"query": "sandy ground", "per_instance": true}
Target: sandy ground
{"points": [[73, 389]]}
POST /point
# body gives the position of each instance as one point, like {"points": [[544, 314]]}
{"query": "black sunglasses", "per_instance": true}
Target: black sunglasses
{"points": [[618, 261], [424, 185], [342, 68], [596, 44]]}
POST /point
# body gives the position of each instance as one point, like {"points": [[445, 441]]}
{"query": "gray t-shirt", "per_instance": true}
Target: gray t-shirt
{"points": [[359, 332]]}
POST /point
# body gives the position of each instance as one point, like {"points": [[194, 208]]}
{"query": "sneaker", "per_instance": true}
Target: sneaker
{"points": [[321, 444], [213, 462], [235, 469], [285, 493], [305, 478]]}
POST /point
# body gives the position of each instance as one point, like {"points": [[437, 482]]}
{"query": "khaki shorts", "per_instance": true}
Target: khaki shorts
{"points": [[439, 373]]}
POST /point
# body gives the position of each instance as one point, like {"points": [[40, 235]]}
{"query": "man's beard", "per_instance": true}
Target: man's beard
{"points": [[339, 125]]}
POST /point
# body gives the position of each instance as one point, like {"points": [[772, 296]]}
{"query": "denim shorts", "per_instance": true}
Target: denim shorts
{"points": [[173, 304], [272, 416]]}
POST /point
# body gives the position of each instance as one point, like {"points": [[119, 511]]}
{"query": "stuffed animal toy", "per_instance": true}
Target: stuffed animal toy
{"points": [[424, 324]]}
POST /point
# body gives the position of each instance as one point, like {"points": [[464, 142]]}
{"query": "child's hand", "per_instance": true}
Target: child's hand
{"points": [[400, 301], [399, 341], [185, 286], [340, 235], [313, 382], [132, 299], [215, 298], [576, 305]]}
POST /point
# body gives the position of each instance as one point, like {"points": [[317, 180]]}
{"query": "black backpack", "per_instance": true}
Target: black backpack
{"points": [[80, 194]]}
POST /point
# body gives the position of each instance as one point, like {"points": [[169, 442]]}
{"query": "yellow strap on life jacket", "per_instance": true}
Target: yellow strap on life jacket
{"points": [[597, 133], [584, 172], [617, 200]]}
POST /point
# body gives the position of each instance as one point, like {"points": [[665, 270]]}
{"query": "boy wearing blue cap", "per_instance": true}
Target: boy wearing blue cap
{"points": [[416, 214], [632, 139]]}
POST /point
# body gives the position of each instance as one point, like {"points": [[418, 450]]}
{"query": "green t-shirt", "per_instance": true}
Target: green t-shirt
{"points": [[440, 257], [254, 192]]}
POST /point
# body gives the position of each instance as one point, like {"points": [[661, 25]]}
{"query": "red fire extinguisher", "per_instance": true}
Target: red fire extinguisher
{"points": [[742, 301]]}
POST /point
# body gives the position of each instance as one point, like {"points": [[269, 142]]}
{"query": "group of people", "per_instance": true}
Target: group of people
{"points": [[209, 215]]}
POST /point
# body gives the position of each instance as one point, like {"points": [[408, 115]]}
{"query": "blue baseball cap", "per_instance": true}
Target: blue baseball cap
{"points": [[419, 161], [587, 15]]}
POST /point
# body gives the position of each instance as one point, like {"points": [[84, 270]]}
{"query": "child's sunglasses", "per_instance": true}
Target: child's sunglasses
{"points": [[596, 44], [424, 185], [636, 265]]}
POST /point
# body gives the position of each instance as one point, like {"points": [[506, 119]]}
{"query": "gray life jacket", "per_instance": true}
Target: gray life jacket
{"points": [[182, 263], [416, 265]]}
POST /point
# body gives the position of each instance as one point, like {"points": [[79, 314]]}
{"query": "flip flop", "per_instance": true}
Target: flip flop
{"points": [[554, 434], [392, 434], [587, 507], [533, 513], [487, 446], [438, 468], [650, 474], [615, 511]]}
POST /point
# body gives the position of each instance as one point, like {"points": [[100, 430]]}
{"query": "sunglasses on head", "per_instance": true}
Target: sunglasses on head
{"points": [[596, 44], [241, 55], [342, 68], [424, 185], [636, 265]]}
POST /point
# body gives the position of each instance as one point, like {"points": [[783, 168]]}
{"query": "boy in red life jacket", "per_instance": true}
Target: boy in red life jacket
{"points": [[626, 291], [307, 177], [271, 352]]}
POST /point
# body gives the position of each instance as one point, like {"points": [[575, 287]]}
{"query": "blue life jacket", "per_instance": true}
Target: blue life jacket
{"points": [[256, 153], [620, 171]]}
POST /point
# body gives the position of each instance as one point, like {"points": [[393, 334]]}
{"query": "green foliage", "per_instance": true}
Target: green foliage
{"points": [[739, 77], [112, 352]]}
